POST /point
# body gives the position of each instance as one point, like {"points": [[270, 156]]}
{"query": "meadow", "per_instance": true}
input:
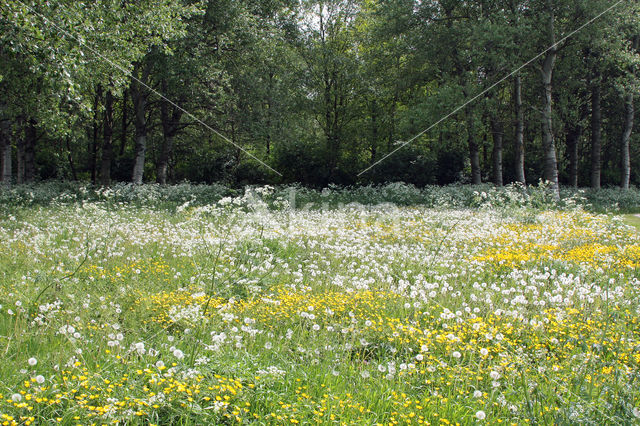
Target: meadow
{"points": [[385, 305]]}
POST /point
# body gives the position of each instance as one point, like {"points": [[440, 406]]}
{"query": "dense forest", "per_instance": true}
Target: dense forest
{"points": [[317, 92]]}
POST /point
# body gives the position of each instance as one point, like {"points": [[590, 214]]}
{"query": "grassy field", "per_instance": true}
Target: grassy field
{"points": [[242, 312]]}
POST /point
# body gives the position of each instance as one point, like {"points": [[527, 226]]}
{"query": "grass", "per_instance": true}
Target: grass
{"points": [[233, 313], [632, 220]]}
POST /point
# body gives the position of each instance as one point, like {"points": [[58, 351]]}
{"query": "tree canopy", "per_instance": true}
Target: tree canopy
{"points": [[320, 91]]}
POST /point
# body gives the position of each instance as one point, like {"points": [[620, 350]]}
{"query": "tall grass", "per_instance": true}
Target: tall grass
{"points": [[389, 305]]}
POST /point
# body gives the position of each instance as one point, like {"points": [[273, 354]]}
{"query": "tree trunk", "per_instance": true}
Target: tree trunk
{"points": [[93, 148], [123, 135], [30, 140], [519, 127], [629, 117], [5, 152], [139, 99], [269, 107], [626, 137], [163, 161], [72, 166], [170, 117], [497, 130], [139, 106], [20, 152], [573, 133], [392, 121], [596, 133], [374, 131], [474, 152], [548, 142], [107, 140]]}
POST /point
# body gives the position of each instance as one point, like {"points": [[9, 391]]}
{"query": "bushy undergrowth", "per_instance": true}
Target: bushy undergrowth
{"points": [[400, 194], [47, 193]]}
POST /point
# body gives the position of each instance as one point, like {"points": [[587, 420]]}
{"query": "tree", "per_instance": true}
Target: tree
{"points": [[628, 121], [329, 54], [80, 49], [546, 73]]}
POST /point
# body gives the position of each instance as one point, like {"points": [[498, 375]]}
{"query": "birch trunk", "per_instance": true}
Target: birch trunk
{"points": [[139, 106], [626, 137], [548, 142], [629, 117]]}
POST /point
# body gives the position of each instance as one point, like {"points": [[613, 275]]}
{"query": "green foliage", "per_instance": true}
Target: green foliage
{"points": [[319, 90]]}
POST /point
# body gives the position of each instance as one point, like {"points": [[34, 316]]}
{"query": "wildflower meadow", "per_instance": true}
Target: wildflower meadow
{"points": [[385, 305]]}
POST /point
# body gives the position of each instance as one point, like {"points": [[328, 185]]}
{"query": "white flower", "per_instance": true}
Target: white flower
{"points": [[477, 394], [32, 361], [456, 354], [39, 379], [484, 352], [159, 364], [16, 397], [178, 353], [480, 415], [268, 345], [494, 375], [139, 348], [419, 357], [365, 374]]}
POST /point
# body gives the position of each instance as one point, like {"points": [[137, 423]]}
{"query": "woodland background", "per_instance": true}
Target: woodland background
{"points": [[319, 91]]}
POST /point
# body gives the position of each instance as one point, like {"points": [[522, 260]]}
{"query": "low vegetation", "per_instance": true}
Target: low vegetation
{"points": [[385, 305]]}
